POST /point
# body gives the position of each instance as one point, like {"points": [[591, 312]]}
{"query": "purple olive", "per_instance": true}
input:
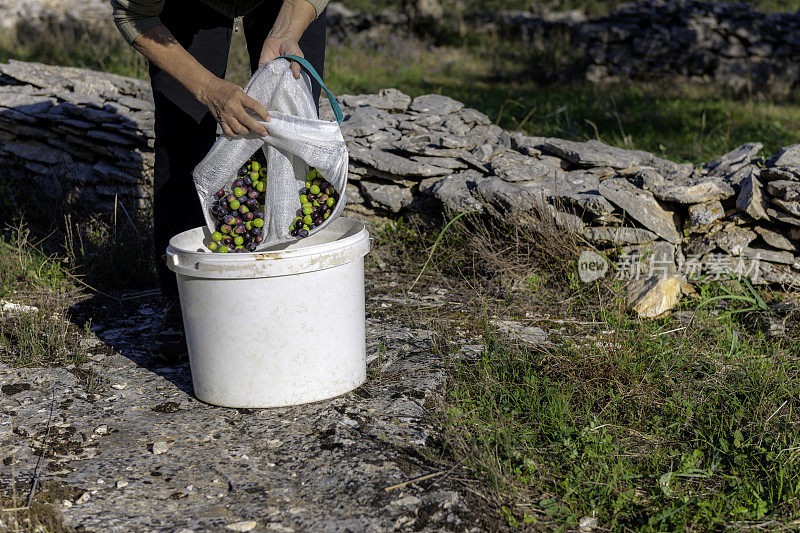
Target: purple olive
{"points": [[311, 197], [258, 213], [247, 181], [220, 193], [294, 233], [238, 182], [298, 213], [239, 229], [318, 221], [253, 194], [303, 233], [227, 240], [298, 224], [247, 217], [231, 197], [250, 247], [255, 232], [229, 220]]}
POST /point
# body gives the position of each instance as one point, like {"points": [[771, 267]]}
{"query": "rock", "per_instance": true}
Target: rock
{"points": [[587, 524], [366, 121], [784, 189], [392, 198], [353, 194], [458, 192], [652, 297], [734, 239], [793, 208], [159, 447], [387, 99], [578, 189], [247, 525], [513, 166], [782, 173], [613, 236], [784, 218], [507, 198], [391, 165], [706, 213], [734, 160], [788, 156], [121, 484], [751, 199], [775, 239], [700, 192], [641, 206], [597, 154], [435, 104], [567, 221], [771, 256], [450, 163]]}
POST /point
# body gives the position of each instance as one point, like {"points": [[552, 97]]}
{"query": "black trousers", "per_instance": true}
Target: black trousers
{"points": [[184, 128]]}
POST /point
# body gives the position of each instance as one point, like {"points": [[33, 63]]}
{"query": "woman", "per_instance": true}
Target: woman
{"points": [[187, 43]]}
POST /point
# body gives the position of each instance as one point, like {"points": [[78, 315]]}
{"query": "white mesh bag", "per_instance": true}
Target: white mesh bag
{"points": [[296, 140]]}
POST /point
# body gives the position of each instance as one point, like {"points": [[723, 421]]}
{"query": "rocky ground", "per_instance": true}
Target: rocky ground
{"points": [[135, 451]]}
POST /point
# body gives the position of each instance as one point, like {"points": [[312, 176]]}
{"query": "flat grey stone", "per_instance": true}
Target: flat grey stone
{"points": [[353, 194], [458, 192], [392, 198], [793, 208], [435, 104], [641, 206], [567, 221], [473, 117], [613, 236], [734, 239], [394, 164], [34, 151], [734, 160], [425, 185], [597, 154], [784, 189], [366, 121], [442, 162], [787, 156], [771, 273], [780, 216], [775, 239], [706, 213], [579, 189], [508, 198], [751, 198], [513, 166], [781, 173], [703, 191], [770, 256], [386, 99]]}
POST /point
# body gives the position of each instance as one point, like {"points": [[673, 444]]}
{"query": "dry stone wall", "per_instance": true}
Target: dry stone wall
{"points": [[725, 42], [88, 137]]}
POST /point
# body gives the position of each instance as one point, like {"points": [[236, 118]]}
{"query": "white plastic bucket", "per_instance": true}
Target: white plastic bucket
{"points": [[274, 328]]}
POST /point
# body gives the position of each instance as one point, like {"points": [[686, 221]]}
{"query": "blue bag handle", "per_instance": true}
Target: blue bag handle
{"points": [[337, 111]]}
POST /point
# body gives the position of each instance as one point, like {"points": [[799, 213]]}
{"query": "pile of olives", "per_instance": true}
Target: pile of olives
{"points": [[317, 201], [238, 211]]}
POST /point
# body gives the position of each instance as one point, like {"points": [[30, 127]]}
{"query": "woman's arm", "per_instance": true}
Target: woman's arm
{"points": [[293, 19], [227, 101]]}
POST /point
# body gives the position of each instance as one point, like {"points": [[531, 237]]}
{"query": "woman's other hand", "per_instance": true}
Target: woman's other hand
{"points": [[230, 105]]}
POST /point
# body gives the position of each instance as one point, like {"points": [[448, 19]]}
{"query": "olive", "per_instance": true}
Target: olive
{"points": [[251, 247], [253, 176], [217, 236], [258, 239], [220, 193], [308, 209], [263, 172], [257, 222], [239, 229], [307, 220], [255, 232], [255, 165], [235, 204], [238, 182], [303, 232], [294, 232], [261, 187]]}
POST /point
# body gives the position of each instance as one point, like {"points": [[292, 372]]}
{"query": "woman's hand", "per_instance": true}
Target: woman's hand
{"points": [[281, 46], [292, 20], [229, 105]]}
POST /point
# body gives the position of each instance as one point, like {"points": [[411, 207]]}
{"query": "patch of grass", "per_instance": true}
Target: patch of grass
{"points": [[35, 329], [643, 430], [40, 517]]}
